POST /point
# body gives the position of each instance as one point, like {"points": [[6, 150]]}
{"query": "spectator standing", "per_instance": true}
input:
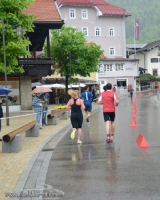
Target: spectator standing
{"points": [[1, 114], [45, 99], [114, 89], [37, 104], [128, 87], [87, 98]]}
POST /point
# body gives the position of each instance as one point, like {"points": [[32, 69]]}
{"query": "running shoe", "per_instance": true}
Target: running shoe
{"points": [[73, 135], [79, 142], [108, 138], [111, 138], [87, 120]]}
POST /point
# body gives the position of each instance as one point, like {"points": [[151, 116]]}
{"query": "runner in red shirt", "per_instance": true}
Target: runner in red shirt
{"points": [[109, 100]]}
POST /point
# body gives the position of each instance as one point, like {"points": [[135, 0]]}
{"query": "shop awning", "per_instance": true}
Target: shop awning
{"points": [[142, 69]]}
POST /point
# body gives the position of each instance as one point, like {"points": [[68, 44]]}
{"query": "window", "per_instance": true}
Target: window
{"points": [[154, 60], [119, 67], [155, 72], [97, 31], [111, 51], [84, 14], [85, 31], [101, 82], [72, 13], [102, 69], [111, 31], [109, 67]]}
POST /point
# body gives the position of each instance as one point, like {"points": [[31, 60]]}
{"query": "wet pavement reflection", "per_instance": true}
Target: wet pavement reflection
{"points": [[97, 170]]}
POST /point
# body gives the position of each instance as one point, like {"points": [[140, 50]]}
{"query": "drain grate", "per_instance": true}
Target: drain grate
{"points": [[50, 149]]}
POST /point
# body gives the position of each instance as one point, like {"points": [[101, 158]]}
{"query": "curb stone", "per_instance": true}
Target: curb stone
{"points": [[34, 175]]}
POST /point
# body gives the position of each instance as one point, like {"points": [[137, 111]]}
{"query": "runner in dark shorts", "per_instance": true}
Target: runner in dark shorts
{"points": [[109, 116], [75, 104], [109, 100], [87, 97]]}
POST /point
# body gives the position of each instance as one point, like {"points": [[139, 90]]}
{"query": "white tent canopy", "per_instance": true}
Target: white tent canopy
{"points": [[56, 85], [76, 85], [59, 86]]}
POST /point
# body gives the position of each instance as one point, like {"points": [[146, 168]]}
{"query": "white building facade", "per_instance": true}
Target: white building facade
{"points": [[103, 24], [149, 57]]}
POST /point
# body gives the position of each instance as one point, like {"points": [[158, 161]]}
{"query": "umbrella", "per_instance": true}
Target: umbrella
{"points": [[4, 90], [41, 89]]}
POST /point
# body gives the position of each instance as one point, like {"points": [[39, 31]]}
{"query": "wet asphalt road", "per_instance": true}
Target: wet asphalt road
{"points": [[96, 170]]}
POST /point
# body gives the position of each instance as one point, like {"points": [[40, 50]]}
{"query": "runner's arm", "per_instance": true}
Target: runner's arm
{"points": [[116, 100], [100, 100], [68, 106], [82, 105]]}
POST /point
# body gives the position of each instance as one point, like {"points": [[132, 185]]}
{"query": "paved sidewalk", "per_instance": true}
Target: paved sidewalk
{"points": [[14, 164]]}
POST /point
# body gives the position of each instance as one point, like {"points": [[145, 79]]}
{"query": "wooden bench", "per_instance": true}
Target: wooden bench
{"points": [[12, 141], [52, 118]]}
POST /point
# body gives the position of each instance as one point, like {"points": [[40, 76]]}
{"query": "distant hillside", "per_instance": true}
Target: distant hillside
{"points": [[148, 12]]}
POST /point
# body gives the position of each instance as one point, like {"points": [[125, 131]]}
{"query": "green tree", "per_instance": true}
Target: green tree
{"points": [[11, 12], [72, 54]]}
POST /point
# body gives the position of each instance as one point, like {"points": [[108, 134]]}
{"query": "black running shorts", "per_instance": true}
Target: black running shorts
{"points": [[109, 116], [76, 120]]}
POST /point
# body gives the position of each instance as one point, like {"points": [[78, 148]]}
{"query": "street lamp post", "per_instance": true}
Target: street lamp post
{"points": [[19, 33], [5, 73]]}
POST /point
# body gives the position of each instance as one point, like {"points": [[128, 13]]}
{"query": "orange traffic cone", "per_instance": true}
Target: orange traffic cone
{"points": [[133, 124], [134, 103], [134, 106], [141, 141], [134, 110], [134, 115]]}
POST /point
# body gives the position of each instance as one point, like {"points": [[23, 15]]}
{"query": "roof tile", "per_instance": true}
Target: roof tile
{"points": [[45, 10], [105, 7]]}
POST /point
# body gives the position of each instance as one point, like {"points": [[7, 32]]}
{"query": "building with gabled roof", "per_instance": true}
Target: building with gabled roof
{"points": [[102, 6], [149, 59], [47, 17], [103, 24]]}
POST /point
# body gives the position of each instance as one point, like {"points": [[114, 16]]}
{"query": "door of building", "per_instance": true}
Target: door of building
{"points": [[121, 83]]}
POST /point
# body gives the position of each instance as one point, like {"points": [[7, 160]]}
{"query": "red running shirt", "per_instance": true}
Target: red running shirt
{"points": [[108, 98]]}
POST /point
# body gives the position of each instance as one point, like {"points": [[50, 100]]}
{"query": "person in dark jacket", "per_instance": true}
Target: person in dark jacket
{"points": [[1, 114]]}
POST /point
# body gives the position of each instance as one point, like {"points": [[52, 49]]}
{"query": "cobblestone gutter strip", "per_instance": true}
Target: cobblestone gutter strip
{"points": [[34, 175]]}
